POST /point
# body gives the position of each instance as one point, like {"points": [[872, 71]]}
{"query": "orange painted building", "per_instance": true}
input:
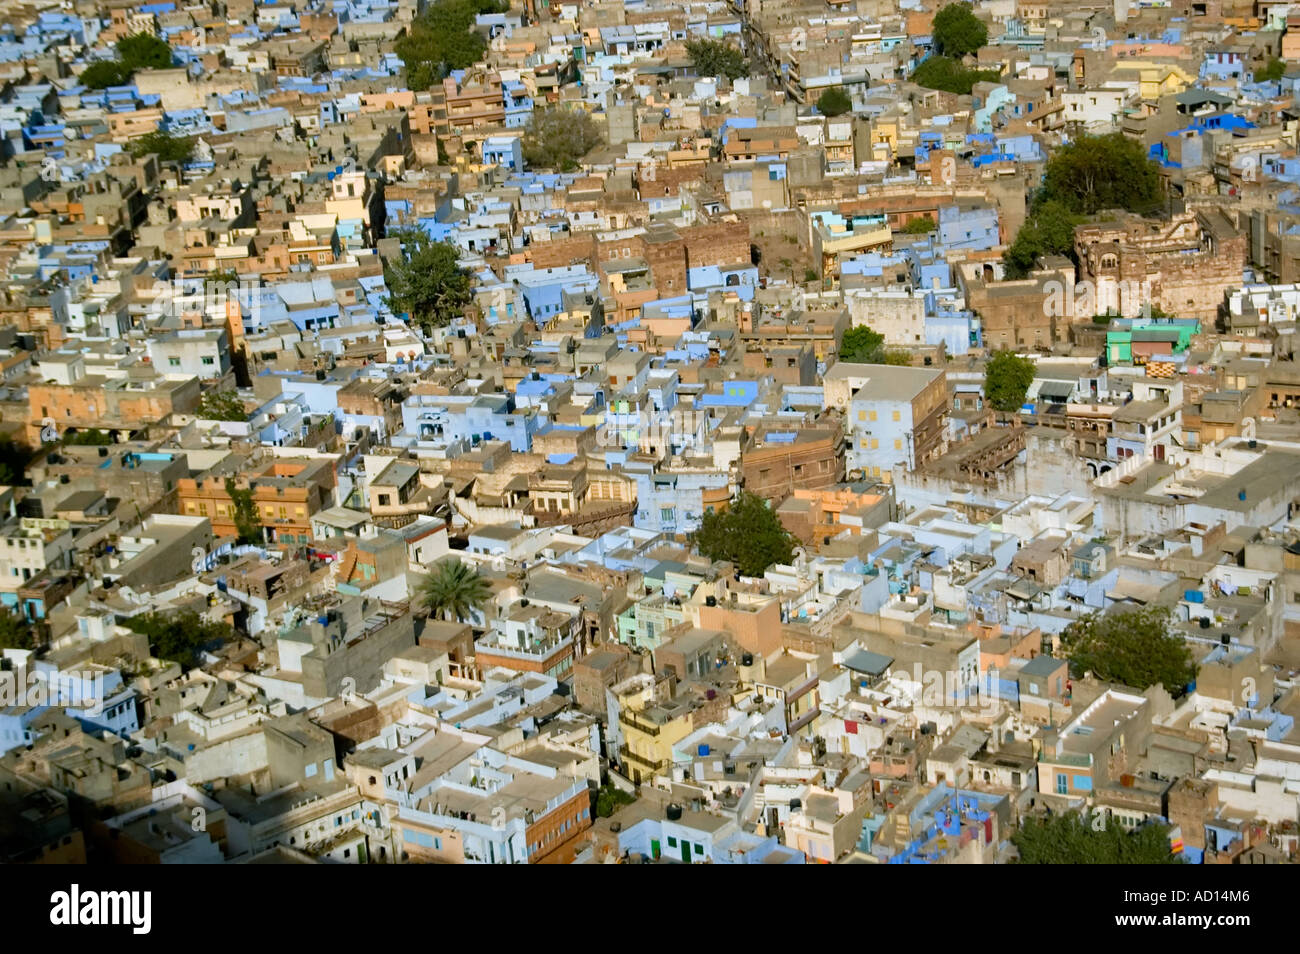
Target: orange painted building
{"points": [[286, 492]]}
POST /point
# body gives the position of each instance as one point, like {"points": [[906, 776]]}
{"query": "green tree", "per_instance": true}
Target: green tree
{"points": [[248, 523], [443, 39], [144, 51], [1048, 230], [164, 145], [1271, 73], [747, 534], [899, 359], [1102, 172], [221, 406], [453, 590], [834, 102], [717, 58], [1070, 840], [861, 345], [91, 438], [957, 31], [15, 632], [1007, 377], [557, 138], [610, 799], [139, 51], [14, 458], [105, 73], [427, 282], [920, 226], [951, 76], [179, 637], [1133, 647]]}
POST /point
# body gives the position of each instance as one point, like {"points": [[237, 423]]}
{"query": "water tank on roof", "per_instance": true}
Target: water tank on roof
{"points": [[703, 749], [674, 812]]}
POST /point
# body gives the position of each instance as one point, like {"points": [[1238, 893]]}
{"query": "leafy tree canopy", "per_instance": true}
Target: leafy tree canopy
{"points": [[1132, 647], [610, 799], [834, 102], [1271, 73], [861, 345], [179, 637], [558, 137], [1048, 230], [221, 406], [144, 51], [14, 458], [747, 534], [105, 73], [167, 147], [717, 58], [951, 76], [454, 590], [920, 226], [444, 39], [15, 632], [139, 51], [248, 523], [1070, 840], [427, 282], [957, 31], [92, 438], [1007, 377], [1102, 172]]}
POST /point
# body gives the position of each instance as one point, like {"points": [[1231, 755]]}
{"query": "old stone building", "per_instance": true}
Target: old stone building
{"points": [[1183, 265]]}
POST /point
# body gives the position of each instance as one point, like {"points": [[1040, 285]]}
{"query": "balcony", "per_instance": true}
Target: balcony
{"points": [[640, 762], [632, 722]]}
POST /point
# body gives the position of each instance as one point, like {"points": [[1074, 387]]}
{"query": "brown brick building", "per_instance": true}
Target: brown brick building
{"points": [[777, 461]]}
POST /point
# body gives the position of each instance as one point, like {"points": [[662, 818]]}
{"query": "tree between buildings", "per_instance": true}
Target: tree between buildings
{"points": [[716, 58], [1069, 840], [427, 282], [139, 51], [248, 523], [834, 102], [165, 146], [444, 39], [179, 637], [957, 31], [15, 632], [951, 76], [1102, 172], [1132, 647], [1048, 230], [557, 138], [747, 534], [221, 406], [453, 590], [861, 345], [1007, 377]]}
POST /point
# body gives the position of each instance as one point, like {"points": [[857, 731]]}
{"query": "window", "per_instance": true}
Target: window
{"points": [[310, 770], [875, 444], [862, 415], [898, 443], [209, 361], [672, 841], [1062, 783], [873, 415], [898, 416], [174, 362]]}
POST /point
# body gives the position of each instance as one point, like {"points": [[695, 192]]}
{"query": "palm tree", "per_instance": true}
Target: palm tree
{"points": [[453, 589]]}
